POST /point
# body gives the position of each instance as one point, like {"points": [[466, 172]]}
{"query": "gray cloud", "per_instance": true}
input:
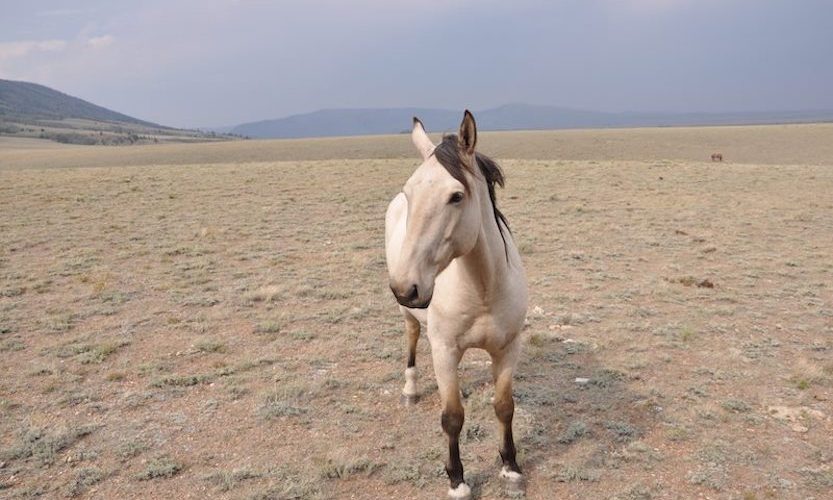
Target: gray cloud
{"points": [[208, 62]]}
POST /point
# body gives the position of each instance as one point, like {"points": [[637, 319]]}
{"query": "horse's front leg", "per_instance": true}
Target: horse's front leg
{"points": [[446, 360], [503, 368], [409, 392]]}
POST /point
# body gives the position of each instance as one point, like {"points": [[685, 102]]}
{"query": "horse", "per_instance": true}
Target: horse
{"points": [[717, 157], [454, 267]]}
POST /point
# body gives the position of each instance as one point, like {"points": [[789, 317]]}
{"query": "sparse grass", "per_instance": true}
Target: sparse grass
{"points": [[42, 446], [711, 475], [266, 294], [574, 431], [268, 327], [228, 480], [344, 466], [236, 392], [209, 346], [291, 487], [605, 378], [807, 373], [95, 354], [303, 335], [818, 478], [152, 368], [282, 404], [736, 406], [131, 449], [636, 492], [678, 433], [160, 468], [84, 478], [41, 371], [114, 297], [182, 380], [475, 433], [12, 292], [12, 345], [245, 304], [570, 473], [687, 334], [622, 431], [405, 471], [59, 322], [575, 347]]}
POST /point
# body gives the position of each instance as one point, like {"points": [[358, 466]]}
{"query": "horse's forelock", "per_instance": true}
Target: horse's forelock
{"points": [[450, 156]]}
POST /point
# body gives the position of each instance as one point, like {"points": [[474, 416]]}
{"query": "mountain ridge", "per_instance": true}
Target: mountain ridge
{"points": [[33, 101], [35, 111], [330, 122]]}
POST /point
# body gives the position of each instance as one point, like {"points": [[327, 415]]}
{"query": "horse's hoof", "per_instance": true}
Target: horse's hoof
{"points": [[461, 492], [408, 399], [515, 489], [513, 483]]}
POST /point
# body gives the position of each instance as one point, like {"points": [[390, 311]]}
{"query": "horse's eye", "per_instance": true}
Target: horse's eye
{"points": [[456, 198]]}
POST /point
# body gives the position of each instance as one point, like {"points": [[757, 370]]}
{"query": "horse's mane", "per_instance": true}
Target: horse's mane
{"points": [[449, 155]]}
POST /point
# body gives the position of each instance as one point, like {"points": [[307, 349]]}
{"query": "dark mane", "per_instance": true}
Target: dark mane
{"points": [[449, 155]]}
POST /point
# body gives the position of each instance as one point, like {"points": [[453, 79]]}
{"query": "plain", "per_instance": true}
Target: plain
{"points": [[214, 319]]}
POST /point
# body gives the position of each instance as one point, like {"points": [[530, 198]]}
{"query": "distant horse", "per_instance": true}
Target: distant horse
{"points": [[717, 157], [454, 267]]}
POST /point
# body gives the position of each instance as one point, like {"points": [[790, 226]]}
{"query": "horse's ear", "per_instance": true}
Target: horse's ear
{"points": [[468, 132], [421, 140]]}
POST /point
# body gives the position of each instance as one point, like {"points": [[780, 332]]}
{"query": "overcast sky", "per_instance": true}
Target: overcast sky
{"points": [[222, 62]]}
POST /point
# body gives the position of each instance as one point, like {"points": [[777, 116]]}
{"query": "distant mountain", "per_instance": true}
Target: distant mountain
{"points": [[332, 122], [29, 110], [30, 101], [336, 122]]}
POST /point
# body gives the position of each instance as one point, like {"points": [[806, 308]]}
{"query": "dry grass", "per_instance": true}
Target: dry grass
{"points": [[223, 326], [762, 144]]}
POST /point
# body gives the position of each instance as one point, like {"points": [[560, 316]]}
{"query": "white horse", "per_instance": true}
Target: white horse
{"points": [[454, 266]]}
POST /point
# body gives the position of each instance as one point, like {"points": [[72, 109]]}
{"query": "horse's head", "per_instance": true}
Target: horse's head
{"points": [[444, 212]]}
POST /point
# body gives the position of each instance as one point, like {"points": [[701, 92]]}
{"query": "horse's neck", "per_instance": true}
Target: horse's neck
{"points": [[485, 266]]}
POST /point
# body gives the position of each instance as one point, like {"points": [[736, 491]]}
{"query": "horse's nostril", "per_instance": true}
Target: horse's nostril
{"points": [[413, 293]]}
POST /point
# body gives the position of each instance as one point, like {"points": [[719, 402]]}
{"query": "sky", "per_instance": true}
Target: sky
{"points": [[203, 63]]}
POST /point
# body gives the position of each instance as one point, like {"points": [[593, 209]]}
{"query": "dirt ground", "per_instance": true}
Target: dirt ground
{"points": [[214, 320]]}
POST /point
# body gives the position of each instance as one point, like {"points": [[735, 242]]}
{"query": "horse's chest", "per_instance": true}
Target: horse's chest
{"points": [[490, 332], [486, 331]]}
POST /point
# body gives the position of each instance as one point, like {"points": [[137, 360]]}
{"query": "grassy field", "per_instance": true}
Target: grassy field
{"points": [[186, 321], [91, 132]]}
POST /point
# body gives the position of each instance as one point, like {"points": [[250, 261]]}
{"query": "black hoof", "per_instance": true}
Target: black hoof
{"points": [[408, 400]]}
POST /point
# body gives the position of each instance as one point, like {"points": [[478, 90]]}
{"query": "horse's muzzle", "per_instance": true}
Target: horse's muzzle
{"points": [[411, 297], [416, 305]]}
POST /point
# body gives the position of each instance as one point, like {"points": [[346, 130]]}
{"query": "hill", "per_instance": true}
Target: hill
{"points": [[344, 122], [35, 111], [30, 101]]}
